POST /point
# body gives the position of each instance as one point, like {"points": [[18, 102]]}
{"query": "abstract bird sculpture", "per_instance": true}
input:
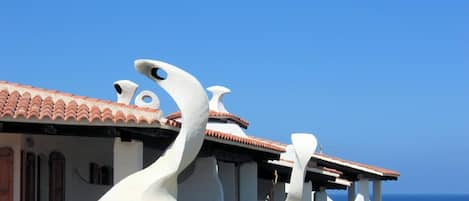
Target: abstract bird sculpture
{"points": [[303, 147], [158, 182]]}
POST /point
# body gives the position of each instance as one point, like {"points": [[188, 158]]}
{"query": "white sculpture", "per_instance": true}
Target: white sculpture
{"points": [[125, 90], [216, 103], [154, 100], [360, 197], [158, 182], [301, 150]]}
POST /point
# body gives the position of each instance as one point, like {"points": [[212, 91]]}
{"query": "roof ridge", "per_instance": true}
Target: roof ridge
{"points": [[244, 140], [270, 141], [26, 103], [70, 95], [214, 114]]}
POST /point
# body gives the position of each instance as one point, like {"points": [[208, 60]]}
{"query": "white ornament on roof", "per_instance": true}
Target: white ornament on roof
{"points": [[125, 91], [300, 152], [159, 180], [153, 103], [216, 103]]}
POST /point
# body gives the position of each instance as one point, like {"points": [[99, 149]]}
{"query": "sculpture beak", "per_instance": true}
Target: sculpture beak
{"points": [[143, 66]]}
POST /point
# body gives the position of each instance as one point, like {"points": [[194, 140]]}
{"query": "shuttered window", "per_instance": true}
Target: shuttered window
{"points": [[6, 174], [57, 177], [29, 177]]}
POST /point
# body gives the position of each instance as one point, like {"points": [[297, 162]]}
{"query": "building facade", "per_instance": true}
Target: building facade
{"points": [[57, 146]]}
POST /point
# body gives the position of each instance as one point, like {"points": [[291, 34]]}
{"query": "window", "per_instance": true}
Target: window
{"points": [[100, 175], [29, 177], [6, 174], [56, 177]]}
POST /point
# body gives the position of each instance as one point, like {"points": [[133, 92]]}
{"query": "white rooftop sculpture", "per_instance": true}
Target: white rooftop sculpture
{"points": [[159, 180], [216, 102], [300, 152], [153, 103], [125, 91]]}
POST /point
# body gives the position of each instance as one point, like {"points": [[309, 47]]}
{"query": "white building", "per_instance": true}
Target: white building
{"points": [[57, 146]]}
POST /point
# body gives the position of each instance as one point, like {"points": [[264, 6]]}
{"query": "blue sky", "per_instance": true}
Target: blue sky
{"points": [[385, 83]]}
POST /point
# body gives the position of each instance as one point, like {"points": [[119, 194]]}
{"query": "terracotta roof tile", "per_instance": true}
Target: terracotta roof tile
{"points": [[130, 118], [34, 108], [216, 115], [23, 104], [120, 117], [173, 123], [244, 140], [107, 115], [383, 171], [59, 110], [16, 104], [26, 103], [250, 141], [71, 110]]}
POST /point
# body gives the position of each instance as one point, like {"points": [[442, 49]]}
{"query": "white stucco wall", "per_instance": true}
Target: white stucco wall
{"points": [[377, 190], [128, 158], [228, 173], [307, 188], [363, 190], [248, 181], [78, 152], [203, 183], [14, 141]]}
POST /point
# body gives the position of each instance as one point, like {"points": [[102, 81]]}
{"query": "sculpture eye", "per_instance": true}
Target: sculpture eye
{"points": [[118, 88], [158, 74]]}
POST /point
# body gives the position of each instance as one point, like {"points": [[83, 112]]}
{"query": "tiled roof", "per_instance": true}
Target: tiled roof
{"points": [[22, 103], [368, 168], [331, 170], [316, 168], [30, 104], [356, 165], [244, 140], [250, 141], [217, 115]]}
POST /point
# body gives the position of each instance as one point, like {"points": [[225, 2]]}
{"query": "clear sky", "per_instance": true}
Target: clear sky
{"points": [[385, 83]]}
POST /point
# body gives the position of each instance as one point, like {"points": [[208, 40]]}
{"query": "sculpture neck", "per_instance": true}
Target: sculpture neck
{"points": [[187, 144]]}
